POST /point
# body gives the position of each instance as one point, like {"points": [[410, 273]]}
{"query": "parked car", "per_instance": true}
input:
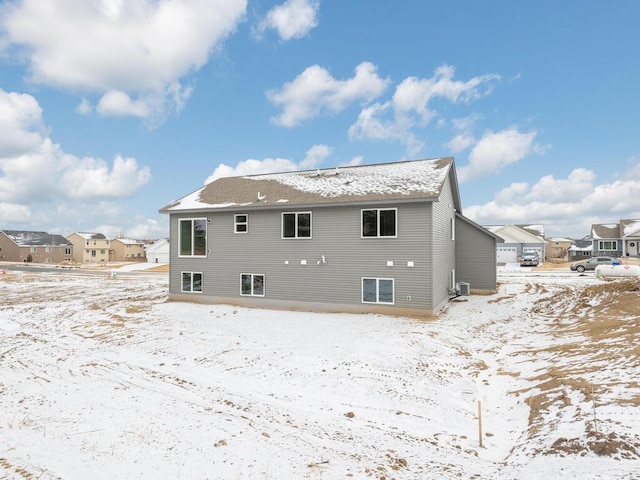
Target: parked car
{"points": [[592, 263], [529, 260]]}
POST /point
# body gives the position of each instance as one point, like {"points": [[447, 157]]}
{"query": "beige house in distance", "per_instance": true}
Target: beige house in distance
{"points": [[127, 250], [90, 247], [37, 247]]}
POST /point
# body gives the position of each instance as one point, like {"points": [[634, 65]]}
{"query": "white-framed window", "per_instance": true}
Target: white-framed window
{"points": [[67, 250], [378, 290], [453, 228], [252, 284], [192, 237], [33, 249], [296, 225], [604, 245], [47, 248], [379, 222], [241, 223], [191, 282]]}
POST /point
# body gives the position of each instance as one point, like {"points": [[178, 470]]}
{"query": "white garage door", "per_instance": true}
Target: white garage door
{"points": [[507, 255]]}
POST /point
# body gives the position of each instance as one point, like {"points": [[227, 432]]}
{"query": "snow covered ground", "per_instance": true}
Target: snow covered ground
{"points": [[101, 378]]}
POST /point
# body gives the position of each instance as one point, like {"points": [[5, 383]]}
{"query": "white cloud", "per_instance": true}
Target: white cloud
{"points": [[92, 177], [566, 206], [118, 103], [36, 170], [84, 107], [313, 157], [21, 126], [315, 92], [372, 126], [140, 47], [460, 143], [497, 150], [252, 167], [411, 107], [14, 213], [293, 19]]}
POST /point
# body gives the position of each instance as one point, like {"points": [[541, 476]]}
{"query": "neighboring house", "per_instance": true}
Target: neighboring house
{"points": [[518, 239], [616, 239], [557, 248], [127, 250], [580, 250], [37, 247], [158, 251], [386, 238], [90, 247]]}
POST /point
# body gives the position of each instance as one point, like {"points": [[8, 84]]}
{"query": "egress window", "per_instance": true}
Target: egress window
{"points": [[379, 222], [378, 290], [252, 284], [191, 282], [192, 237], [296, 225]]}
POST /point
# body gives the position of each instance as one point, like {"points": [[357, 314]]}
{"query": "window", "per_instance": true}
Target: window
{"points": [[453, 229], [296, 225], [93, 253], [252, 284], [47, 248], [379, 222], [193, 237], [608, 245], [241, 223], [33, 249], [377, 290], [192, 282]]}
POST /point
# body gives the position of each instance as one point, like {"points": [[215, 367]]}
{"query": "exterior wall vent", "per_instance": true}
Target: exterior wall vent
{"points": [[463, 289]]}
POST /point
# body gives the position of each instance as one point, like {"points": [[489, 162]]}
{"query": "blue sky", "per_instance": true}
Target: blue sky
{"points": [[111, 109]]}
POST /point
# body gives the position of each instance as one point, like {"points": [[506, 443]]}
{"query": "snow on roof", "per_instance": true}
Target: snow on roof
{"points": [[129, 241], [92, 236], [27, 239], [605, 230], [630, 227], [575, 248], [559, 239], [388, 181]]}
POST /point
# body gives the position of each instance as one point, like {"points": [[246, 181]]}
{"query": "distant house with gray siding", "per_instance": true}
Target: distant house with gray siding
{"points": [[387, 238], [517, 240], [616, 239]]}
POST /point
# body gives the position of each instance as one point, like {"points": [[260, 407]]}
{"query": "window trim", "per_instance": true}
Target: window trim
{"points": [[182, 290], [601, 245], [378, 210], [253, 275], [236, 223], [296, 236], [377, 279], [206, 228]]}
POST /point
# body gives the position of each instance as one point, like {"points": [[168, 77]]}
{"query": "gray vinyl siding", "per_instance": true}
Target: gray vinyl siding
{"points": [[443, 246], [475, 257], [336, 235]]}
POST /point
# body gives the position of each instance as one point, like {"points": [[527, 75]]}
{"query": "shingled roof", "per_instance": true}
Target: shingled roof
{"points": [[408, 180], [36, 239]]}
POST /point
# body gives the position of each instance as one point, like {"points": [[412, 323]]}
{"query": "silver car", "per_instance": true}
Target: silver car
{"points": [[592, 263], [529, 260]]}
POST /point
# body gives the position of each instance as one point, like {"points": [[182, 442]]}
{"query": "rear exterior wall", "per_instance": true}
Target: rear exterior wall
{"points": [[336, 237]]}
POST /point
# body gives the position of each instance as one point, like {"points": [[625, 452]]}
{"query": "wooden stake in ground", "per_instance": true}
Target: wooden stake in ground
{"points": [[480, 423]]}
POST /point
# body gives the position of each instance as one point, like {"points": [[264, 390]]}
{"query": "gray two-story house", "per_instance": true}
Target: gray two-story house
{"points": [[387, 238]]}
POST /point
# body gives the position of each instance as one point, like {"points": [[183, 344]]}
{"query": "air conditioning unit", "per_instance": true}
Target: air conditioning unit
{"points": [[463, 289]]}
